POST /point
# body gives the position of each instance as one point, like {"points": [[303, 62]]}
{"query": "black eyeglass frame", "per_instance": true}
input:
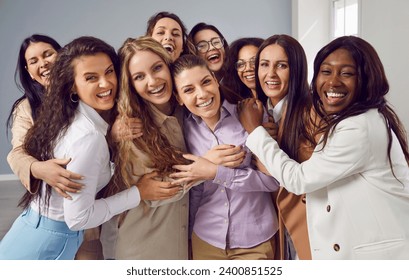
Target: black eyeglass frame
{"points": [[198, 48]]}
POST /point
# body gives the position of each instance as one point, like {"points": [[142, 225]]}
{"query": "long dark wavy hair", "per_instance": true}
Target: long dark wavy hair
{"points": [[297, 122], [232, 79], [57, 111], [372, 86], [31, 89], [192, 47], [131, 105], [156, 17]]}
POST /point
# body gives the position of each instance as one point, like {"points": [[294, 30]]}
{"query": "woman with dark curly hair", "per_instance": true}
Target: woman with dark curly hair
{"points": [[36, 57], [240, 73], [70, 124]]}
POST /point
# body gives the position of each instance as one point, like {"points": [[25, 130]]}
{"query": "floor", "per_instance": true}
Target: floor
{"points": [[10, 193]]}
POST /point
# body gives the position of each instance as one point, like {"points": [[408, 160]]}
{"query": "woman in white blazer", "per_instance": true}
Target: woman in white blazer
{"points": [[357, 180]]}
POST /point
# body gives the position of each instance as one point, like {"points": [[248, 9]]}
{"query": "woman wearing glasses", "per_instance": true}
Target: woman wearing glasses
{"points": [[240, 75], [207, 42]]}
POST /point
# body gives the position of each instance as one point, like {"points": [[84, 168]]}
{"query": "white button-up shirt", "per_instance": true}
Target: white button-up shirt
{"points": [[84, 142], [276, 111]]}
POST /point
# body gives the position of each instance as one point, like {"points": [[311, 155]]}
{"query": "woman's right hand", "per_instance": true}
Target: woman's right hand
{"points": [[150, 188], [271, 127], [130, 129], [227, 155], [54, 173]]}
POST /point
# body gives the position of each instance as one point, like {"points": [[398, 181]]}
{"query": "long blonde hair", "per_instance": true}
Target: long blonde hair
{"points": [[131, 105]]}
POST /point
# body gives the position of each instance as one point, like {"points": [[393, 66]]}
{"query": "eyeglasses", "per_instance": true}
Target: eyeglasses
{"points": [[241, 64], [204, 46]]}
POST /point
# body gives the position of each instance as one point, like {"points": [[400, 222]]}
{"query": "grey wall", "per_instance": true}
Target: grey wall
{"points": [[114, 21], [385, 25]]}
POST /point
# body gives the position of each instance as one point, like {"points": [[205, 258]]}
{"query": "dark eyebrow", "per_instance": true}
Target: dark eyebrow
{"points": [[342, 65]]}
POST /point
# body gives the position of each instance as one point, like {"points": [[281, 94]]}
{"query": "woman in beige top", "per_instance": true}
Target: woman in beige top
{"points": [[154, 229]]}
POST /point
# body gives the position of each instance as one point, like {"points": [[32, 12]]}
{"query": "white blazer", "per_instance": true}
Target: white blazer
{"points": [[356, 208]]}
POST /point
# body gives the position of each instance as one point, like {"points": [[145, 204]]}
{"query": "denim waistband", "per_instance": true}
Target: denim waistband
{"points": [[33, 217]]}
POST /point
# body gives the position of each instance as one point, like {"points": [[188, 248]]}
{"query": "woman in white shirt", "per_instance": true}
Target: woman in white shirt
{"points": [[357, 179], [83, 87]]}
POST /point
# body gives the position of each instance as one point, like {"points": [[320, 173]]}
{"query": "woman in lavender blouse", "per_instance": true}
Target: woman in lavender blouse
{"points": [[233, 210]]}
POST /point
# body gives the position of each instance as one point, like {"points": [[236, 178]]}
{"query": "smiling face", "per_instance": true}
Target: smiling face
{"points": [[198, 90], [39, 58], [214, 57], [151, 78], [169, 33], [274, 72], [337, 81], [247, 55], [95, 81]]}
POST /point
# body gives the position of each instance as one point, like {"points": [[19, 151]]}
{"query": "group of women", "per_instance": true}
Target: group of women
{"points": [[180, 146]]}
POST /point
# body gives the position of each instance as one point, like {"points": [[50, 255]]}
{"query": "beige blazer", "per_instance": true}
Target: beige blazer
{"points": [[155, 230], [19, 161], [292, 214]]}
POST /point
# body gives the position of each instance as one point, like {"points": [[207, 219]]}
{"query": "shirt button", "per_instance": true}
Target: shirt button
{"points": [[225, 204], [336, 247], [184, 205], [328, 208], [222, 190], [184, 227], [225, 221]]}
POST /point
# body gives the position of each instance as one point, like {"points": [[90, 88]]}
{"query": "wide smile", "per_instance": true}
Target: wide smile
{"points": [[45, 74], [214, 58], [272, 84], [105, 94], [249, 78], [335, 96], [206, 104], [169, 48], [158, 90]]}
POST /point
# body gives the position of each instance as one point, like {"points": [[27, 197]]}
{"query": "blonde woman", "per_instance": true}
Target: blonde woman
{"points": [[154, 229]]}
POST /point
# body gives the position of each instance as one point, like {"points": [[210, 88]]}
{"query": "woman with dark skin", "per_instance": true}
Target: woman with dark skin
{"points": [[82, 91], [356, 181]]}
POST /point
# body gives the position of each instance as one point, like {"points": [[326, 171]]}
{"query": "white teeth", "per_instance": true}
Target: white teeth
{"points": [[206, 103], [45, 73], [168, 47], [250, 77], [104, 93], [272, 83], [158, 89], [213, 56], [335, 94]]}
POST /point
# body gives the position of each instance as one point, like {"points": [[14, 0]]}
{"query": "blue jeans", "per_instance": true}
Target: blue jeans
{"points": [[36, 237]]}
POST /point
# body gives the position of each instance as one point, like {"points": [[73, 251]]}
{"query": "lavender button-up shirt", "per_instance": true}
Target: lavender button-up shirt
{"points": [[235, 210]]}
